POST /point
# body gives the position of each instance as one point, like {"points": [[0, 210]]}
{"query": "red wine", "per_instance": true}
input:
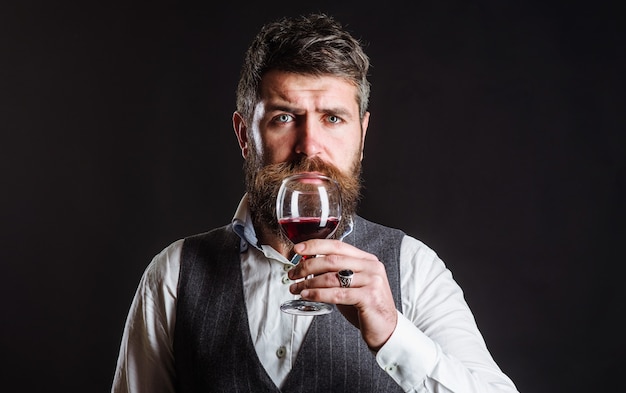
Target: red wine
{"points": [[305, 228]]}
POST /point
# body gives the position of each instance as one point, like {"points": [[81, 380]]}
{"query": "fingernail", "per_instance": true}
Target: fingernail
{"points": [[299, 248], [296, 259]]}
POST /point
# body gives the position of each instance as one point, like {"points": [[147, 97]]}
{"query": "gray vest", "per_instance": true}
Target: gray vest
{"points": [[213, 349]]}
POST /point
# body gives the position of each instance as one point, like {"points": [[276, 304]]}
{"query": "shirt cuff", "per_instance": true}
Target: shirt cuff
{"points": [[408, 356]]}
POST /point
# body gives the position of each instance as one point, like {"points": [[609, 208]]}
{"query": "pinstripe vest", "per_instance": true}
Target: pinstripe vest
{"points": [[213, 349]]}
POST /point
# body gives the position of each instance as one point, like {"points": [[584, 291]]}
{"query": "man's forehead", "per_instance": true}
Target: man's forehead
{"points": [[288, 88]]}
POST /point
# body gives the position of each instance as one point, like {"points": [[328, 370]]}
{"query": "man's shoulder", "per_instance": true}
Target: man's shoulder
{"points": [[203, 243], [409, 241], [223, 230], [366, 225], [374, 237]]}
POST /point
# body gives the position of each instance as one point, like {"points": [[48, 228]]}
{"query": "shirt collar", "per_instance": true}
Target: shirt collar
{"points": [[242, 225]]}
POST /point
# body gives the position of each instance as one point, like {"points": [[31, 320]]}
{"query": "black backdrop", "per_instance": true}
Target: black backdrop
{"points": [[496, 137]]}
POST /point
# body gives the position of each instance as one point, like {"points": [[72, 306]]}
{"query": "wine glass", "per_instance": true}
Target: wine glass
{"points": [[308, 206]]}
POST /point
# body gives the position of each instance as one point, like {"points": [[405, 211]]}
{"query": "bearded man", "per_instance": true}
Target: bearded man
{"points": [[206, 315]]}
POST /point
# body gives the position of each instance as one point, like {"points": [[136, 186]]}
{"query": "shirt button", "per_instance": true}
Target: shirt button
{"points": [[287, 267], [286, 279], [281, 352], [391, 368]]}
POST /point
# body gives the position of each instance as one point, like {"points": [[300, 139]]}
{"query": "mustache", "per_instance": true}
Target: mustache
{"points": [[263, 182], [275, 173]]}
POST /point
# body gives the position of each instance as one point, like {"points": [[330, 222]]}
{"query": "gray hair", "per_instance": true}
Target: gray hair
{"points": [[315, 44]]}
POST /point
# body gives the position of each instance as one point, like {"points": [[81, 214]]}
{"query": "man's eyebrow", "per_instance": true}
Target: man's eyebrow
{"points": [[337, 111], [280, 108]]}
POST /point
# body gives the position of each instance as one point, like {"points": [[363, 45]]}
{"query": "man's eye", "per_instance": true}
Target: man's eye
{"points": [[284, 118], [333, 119]]}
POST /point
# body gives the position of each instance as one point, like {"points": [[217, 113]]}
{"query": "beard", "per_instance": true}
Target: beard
{"points": [[263, 182]]}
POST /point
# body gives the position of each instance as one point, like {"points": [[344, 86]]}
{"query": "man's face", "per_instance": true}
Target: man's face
{"points": [[301, 123], [304, 115]]}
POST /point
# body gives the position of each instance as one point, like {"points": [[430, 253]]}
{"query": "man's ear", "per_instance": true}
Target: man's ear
{"points": [[241, 131]]}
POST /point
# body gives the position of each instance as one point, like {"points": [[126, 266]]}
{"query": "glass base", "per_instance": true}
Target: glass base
{"points": [[305, 307]]}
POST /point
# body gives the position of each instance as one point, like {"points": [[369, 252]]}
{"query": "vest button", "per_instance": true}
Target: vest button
{"points": [[281, 352]]}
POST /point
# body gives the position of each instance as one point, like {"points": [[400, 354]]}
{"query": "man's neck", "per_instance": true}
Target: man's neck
{"points": [[269, 237]]}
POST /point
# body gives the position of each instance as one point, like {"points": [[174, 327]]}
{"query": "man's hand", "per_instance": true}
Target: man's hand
{"points": [[368, 303]]}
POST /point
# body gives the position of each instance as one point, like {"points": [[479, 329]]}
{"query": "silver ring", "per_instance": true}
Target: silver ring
{"points": [[345, 278]]}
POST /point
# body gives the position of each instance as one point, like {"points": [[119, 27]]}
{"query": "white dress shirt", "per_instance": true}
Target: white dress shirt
{"points": [[436, 346]]}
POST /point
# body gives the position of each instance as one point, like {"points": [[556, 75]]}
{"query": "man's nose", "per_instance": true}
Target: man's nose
{"points": [[309, 139]]}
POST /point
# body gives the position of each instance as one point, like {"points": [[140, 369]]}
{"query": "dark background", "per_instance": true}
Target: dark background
{"points": [[496, 137]]}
